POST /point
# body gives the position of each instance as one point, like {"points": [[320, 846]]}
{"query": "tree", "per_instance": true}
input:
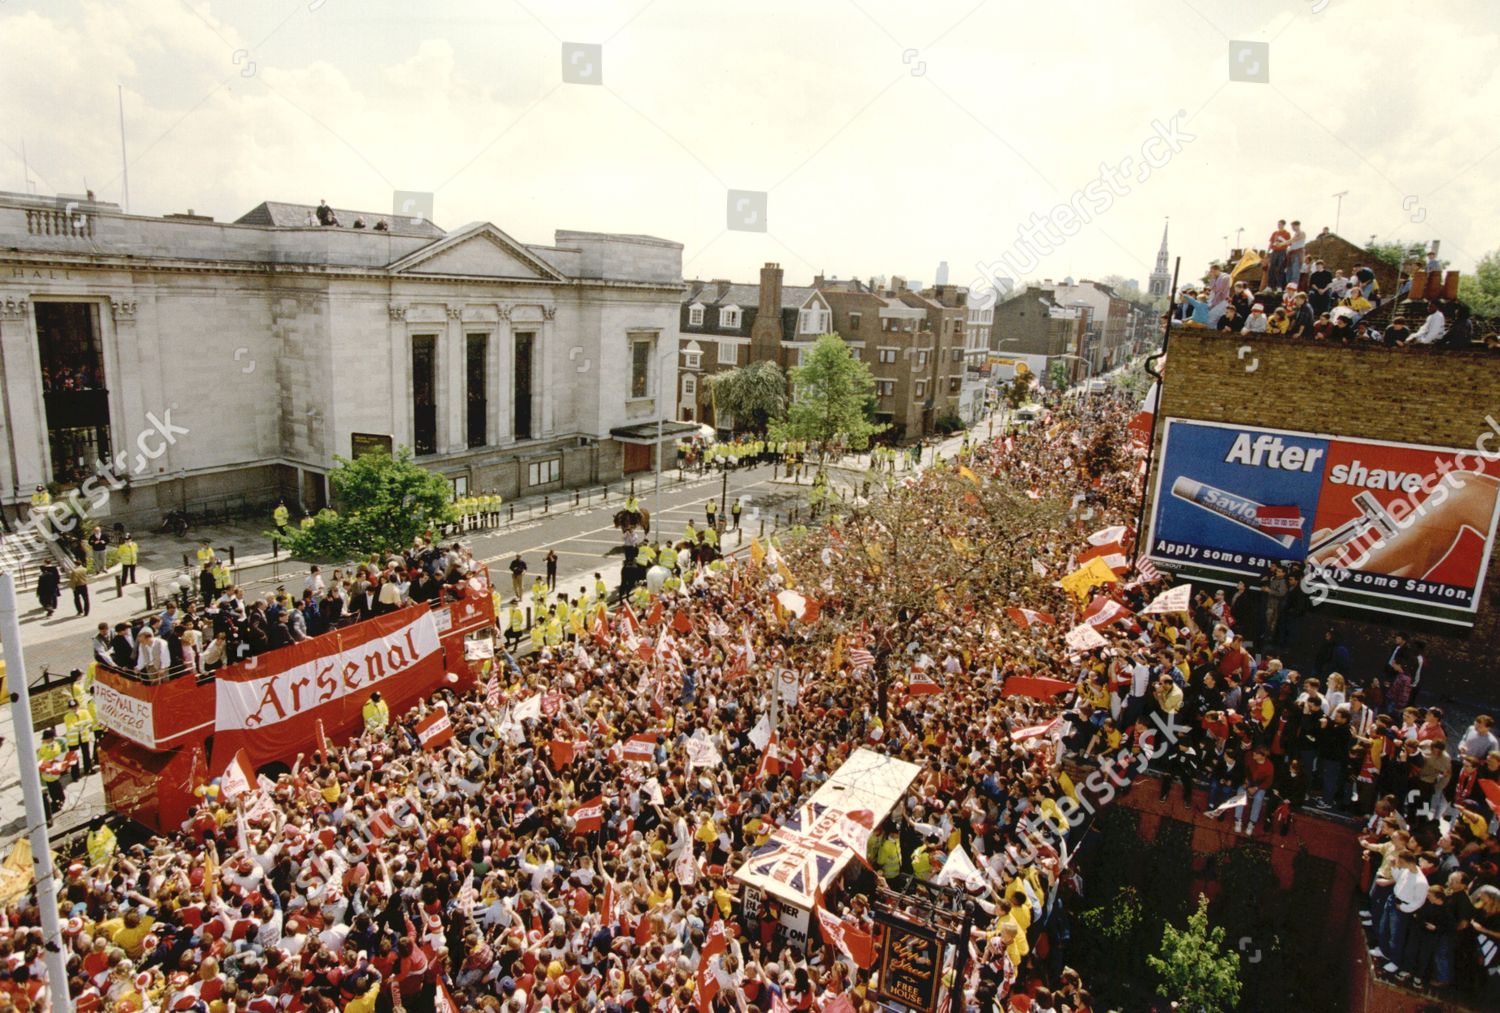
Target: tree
{"points": [[833, 395], [752, 395], [385, 503], [1400, 254], [1018, 392], [1057, 374], [1481, 290], [1193, 967]]}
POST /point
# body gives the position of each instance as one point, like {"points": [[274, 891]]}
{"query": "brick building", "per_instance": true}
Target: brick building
{"points": [[1418, 395], [1035, 325]]}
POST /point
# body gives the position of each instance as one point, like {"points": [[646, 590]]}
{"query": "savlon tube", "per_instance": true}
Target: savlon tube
{"points": [[1234, 508]]}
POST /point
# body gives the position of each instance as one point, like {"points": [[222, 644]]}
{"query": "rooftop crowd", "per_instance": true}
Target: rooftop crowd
{"points": [[506, 887]]}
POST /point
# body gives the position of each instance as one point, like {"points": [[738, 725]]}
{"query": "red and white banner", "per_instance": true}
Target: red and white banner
{"points": [[1036, 687], [588, 816], [851, 942], [709, 983], [237, 778], [922, 683], [1103, 611], [1030, 617], [1104, 536], [367, 661], [1036, 731], [640, 748], [435, 730], [701, 751], [1178, 599], [1113, 554]]}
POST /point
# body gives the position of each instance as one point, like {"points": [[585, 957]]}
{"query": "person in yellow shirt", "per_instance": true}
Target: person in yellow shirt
{"points": [[377, 714], [129, 931]]}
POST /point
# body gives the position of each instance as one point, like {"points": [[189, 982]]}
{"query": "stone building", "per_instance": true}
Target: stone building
{"points": [[266, 346]]}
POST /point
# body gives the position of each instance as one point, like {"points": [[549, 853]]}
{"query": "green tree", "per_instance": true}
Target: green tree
{"points": [[1193, 967], [1057, 374], [1481, 290], [752, 395], [1399, 254], [385, 503], [1018, 391], [833, 394]]}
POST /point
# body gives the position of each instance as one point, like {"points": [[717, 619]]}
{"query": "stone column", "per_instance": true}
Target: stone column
{"points": [[26, 413], [543, 396], [504, 370], [453, 392]]}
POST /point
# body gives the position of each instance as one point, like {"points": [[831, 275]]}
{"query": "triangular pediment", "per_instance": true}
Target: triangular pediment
{"points": [[482, 251]]}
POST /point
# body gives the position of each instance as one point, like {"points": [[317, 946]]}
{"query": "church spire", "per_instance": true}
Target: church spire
{"points": [[1161, 278]]}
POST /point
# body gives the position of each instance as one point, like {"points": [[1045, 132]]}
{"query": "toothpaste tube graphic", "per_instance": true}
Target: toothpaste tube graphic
{"points": [[1245, 512]]}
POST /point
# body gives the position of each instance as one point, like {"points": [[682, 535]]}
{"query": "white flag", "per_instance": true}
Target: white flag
{"points": [[960, 868], [1178, 599], [761, 733], [1084, 637]]}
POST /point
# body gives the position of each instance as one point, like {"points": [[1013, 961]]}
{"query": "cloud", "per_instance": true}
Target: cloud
{"points": [[872, 167]]}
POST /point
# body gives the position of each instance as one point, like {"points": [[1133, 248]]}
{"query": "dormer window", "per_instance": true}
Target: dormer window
{"points": [[695, 315], [729, 318]]}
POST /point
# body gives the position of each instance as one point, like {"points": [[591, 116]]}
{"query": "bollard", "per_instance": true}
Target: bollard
{"points": [[632, 487], [119, 585], [275, 550], [231, 555], [512, 511], [575, 497], [149, 606], [546, 503]]}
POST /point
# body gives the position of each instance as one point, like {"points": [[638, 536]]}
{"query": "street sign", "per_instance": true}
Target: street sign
{"points": [[911, 963]]}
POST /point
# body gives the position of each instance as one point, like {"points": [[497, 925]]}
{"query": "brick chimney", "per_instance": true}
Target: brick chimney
{"points": [[765, 333]]}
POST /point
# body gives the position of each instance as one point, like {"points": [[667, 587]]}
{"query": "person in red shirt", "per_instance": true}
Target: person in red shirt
{"points": [[1260, 775]]}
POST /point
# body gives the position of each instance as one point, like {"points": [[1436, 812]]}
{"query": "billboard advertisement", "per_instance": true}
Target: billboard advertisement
{"points": [[1394, 527]]}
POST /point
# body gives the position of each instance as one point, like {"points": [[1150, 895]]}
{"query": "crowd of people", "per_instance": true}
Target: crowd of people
{"points": [[535, 867], [1309, 300]]}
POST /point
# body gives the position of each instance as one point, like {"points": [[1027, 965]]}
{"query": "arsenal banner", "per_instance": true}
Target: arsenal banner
{"points": [[371, 656], [1178, 599], [588, 816], [435, 729]]}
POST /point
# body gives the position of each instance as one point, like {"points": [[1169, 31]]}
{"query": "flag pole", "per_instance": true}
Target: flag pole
{"points": [[45, 883]]}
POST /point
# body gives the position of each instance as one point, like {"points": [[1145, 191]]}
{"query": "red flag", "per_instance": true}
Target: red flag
{"points": [[771, 761], [657, 611], [1491, 791], [851, 942], [708, 978], [443, 1001], [588, 816], [1030, 617], [681, 623], [1103, 611], [435, 729], [842, 1004], [237, 777], [1036, 687], [1113, 554], [1033, 731], [562, 753], [630, 619]]}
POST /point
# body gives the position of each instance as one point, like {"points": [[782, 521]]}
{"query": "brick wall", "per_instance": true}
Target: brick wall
{"points": [[1407, 395]]}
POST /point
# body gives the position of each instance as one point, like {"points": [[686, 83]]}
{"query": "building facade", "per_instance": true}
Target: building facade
{"points": [[203, 362]]}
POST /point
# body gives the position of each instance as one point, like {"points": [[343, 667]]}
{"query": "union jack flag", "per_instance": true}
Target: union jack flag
{"points": [[802, 852]]}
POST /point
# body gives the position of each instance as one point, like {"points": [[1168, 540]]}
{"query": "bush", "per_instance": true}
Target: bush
{"points": [[948, 424]]}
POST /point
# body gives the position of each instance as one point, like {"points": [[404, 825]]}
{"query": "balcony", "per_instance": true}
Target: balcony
{"points": [[59, 222]]}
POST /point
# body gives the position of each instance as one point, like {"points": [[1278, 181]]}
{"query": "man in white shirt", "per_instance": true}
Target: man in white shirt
{"points": [[151, 656], [1432, 327], [314, 582], [1294, 252]]}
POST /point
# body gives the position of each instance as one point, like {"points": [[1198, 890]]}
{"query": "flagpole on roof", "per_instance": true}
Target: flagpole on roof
{"points": [[45, 882]]}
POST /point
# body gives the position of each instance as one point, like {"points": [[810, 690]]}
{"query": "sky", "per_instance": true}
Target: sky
{"points": [[860, 138]]}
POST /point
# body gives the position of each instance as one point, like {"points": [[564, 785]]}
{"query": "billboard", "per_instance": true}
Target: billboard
{"points": [[1392, 527]]}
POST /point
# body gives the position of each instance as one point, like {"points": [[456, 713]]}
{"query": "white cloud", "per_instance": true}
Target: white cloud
{"points": [[872, 169]]}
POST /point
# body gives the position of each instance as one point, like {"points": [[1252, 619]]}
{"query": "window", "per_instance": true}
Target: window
{"points": [[640, 368], [885, 323], [729, 318], [695, 316], [921, 358], [854, 319], [887, 355], [477, 366], [423, 393], [958, 355], [812, 321], [801, 356], [953, 384], [689, 387], [921, 390], [543, 472], [886, 387], [692, 360], [729, 354]]}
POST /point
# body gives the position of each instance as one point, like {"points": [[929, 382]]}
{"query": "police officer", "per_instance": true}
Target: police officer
{"points": [[711, 509], [377, 714], [632, 505], [281, 515], [40, 500], [516, 624], [78, 733], [49, 751], [129, 554], [538, 596], [734, 513], [601, 589]]}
